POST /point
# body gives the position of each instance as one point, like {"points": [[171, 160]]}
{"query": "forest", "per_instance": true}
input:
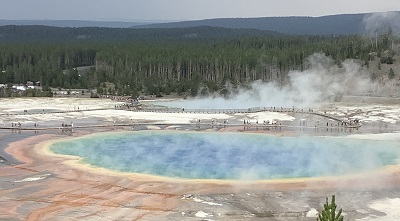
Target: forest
{"points": [[160, 62]]}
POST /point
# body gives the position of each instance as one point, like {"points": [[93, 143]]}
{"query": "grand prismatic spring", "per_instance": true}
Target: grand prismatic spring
{"points": [[229, 156]]}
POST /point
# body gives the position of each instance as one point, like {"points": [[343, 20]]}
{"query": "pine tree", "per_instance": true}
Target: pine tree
{"points": [[329, 212], [391, 73]]}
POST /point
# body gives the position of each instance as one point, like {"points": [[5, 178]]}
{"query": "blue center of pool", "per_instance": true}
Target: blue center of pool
{"points": [[233, 156]]}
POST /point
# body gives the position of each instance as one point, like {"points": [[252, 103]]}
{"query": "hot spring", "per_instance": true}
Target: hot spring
{"points": [[229, 156]]}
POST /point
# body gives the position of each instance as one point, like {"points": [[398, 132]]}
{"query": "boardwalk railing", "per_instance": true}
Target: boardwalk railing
{"points": [[234, 111], [215, 111], [53, 112], [161, 109]]}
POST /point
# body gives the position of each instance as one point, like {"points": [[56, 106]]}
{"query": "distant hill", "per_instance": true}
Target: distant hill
{"points": [[75, 23], [344, 24], [326, 25], [33, 33]]}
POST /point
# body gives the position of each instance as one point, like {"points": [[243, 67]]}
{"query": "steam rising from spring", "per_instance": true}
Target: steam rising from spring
{"points": [[322, 81], [377, 22]]}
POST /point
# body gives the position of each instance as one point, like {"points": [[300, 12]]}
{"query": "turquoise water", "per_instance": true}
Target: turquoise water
{"points": [[236, 156]]}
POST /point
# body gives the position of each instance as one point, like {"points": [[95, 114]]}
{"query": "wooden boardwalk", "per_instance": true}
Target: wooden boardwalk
{"points": [[183, 111], [53, 112], [188, 125], [235, 111]]}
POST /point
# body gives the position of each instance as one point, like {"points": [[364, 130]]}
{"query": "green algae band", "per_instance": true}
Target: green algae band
{"points": [[233, 156]]}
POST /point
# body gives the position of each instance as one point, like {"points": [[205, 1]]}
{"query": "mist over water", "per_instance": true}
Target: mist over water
{"points": [[320, 83], [229, 155]]}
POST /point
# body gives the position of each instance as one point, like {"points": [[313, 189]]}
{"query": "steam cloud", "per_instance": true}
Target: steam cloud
{"points": [[321, 82], [377, 22]]}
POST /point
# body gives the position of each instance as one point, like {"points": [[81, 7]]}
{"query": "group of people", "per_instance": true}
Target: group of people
{"points": [[342, 123], [293, 109], [16, 125], [67, 125], [265, 122], [128, 106]]}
